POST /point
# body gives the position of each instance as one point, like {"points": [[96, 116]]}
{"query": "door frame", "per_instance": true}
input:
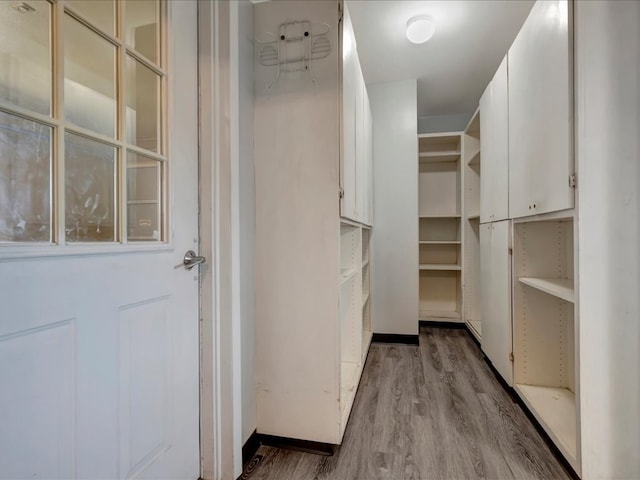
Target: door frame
{"points": [[220, 391]]}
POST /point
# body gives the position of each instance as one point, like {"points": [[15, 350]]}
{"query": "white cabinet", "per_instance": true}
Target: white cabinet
{"points": [[356, 158], [312, 269], [544, 329], [541, 112], [471, 180], [494, 138], [439, 226], [495, 268]]}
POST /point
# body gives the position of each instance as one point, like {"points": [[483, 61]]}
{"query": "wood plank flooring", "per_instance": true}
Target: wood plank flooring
{"points": [[424, 413]]}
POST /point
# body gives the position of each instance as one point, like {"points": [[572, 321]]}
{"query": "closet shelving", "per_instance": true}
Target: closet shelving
{"points": [[471, 206], [439, 225], [366, 293], [545, 328]]}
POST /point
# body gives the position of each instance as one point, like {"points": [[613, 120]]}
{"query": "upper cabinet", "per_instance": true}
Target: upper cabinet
{"points": [[541, 112], [356, 155], [494, 138]]}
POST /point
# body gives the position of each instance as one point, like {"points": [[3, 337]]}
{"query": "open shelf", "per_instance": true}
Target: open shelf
{"points": [[439, 266], [555, 409], [436, 157], [558, 287], [439, 242], [475, 216], [347, 273], [474, 159], [426, 314]]}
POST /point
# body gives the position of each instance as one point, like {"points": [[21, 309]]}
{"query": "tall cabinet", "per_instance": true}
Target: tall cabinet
{"points": [[528, 259], [312, 266], [471, 179], [440, 226]]}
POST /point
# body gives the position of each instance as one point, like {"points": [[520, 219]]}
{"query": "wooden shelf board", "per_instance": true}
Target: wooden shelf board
{"points": [[558, 287], [365, 299], [555, 409], [430, 314], [438, 157], [440, 242], [346, 274], [439, 266], [439, 216], [475, 216], [475, 159]]}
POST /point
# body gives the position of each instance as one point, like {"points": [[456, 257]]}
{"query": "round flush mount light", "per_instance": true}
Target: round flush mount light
{"points": [[420, 29]]}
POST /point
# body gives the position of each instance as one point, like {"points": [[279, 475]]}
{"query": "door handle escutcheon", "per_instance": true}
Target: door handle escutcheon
{"points": [[190, 260]]}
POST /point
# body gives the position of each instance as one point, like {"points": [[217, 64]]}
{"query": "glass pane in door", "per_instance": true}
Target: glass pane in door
{"points": [[142, 28], [144, 200], [25, 55], [101, 13], [143, 106], [25, 180], [90, 79], [90, 184]]}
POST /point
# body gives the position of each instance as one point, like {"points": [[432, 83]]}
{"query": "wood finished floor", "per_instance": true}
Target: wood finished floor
{"points": [[424, 413]]}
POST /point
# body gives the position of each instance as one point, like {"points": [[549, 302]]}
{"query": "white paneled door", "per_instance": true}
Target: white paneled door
{"points": [[99, 345]]}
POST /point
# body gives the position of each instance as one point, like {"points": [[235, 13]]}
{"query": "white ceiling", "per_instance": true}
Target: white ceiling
{"points": [[454, 67]]}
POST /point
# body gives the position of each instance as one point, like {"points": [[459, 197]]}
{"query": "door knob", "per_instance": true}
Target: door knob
{"points": [[190, 260]]}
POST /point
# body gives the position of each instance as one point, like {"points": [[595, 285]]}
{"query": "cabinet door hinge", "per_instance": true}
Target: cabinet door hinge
{"points": [[511, 357], [572, 180], [340, 14], [341, 192], [510, 251]]}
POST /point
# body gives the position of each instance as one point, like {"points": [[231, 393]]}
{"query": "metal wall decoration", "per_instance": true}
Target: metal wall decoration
{"points": [[294, 47]]}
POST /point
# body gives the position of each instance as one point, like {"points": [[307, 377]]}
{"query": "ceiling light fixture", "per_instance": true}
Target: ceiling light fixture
{"points": [[420, 29]]}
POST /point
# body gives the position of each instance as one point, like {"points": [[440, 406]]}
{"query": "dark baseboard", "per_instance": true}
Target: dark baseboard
{"points": [[404, 339], [441, 324], [250, 448], [297, 444]]}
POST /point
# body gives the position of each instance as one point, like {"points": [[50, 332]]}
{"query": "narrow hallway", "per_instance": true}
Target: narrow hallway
{"points": [[425, 413]]}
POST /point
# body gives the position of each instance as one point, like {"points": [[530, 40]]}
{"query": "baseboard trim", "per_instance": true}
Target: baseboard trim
{"points": [[404, 339], [441, 324], [308, 446], [250, 448]]}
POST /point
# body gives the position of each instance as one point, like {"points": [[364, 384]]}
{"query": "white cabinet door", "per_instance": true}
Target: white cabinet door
{"points": [[494, 141], [100, 348], [367, 191], [360, 142], [349, 116], [495, 277], [541, 112]]}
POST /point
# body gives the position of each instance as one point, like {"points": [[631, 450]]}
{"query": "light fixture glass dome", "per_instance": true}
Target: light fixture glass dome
{"points": [[420, 29]]}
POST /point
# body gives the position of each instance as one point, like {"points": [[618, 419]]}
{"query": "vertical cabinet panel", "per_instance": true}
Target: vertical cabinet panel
{"points": [[541, 112], [356, 155], [350, 81], [495, 273], [494, 138]]}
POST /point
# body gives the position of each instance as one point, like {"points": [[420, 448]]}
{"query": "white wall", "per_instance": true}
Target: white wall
{"points": [[247, 216], [608, 156], [394, 274]]}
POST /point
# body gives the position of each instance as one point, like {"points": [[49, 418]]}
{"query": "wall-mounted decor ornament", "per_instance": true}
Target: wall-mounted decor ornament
{"points": [[294, 47]]}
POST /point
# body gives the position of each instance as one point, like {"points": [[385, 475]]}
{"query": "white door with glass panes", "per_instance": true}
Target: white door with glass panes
{"points": [[98, 205]]}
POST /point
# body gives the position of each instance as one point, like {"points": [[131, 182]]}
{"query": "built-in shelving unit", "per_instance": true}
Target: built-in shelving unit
{"points": [[471, 229], [439, 226], [545, 328]]}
